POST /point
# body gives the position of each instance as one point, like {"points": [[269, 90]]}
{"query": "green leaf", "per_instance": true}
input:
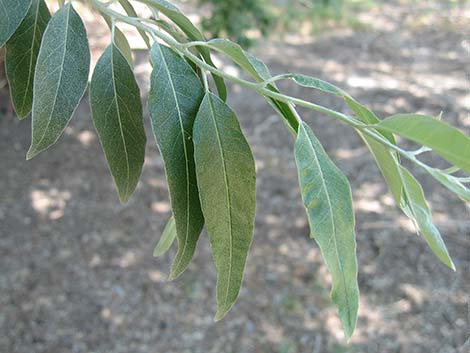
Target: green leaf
{"points": [[422, 216], [21, 56], [444, 139], [12, 13], [167, 239], [258, 70], [316, 83], [227, 187], [127, 6], [60, 79], [327, 198], [451, 183], [117, 115], [194, 34], [175, 95]]}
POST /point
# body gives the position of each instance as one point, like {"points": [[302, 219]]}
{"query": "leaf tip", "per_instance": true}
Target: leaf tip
{"points": [[31, 153]]}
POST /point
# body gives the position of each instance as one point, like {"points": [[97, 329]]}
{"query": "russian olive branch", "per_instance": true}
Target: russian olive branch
{"points": [[258, 87]]}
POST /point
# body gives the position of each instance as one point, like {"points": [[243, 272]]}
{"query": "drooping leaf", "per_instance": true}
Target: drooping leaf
{"points": [[60, 79], [446, 140], [12, 13], [127, 6], [194, 34], [22, 52], [117, 115], [175, 95], [167, 239], [227, 187], [422, 216], [258, 70], [327, 198]]}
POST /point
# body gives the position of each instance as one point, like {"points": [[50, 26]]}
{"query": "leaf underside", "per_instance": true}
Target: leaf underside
{"points": [[12, 13], [327, 198], [175, 95], [117, 115], [227, 186], [60, 79]]}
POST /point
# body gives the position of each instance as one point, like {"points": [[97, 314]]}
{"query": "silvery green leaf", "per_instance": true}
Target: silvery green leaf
{"points": [[117, 115], [175, 95], [227, 186], [60, 79], [421, 214], [327, 198], [167, 239], [22, 52], [12, 13], [446, 140]]}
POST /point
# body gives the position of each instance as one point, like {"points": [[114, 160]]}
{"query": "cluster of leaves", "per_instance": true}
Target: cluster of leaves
{"points": [[209, 165]]}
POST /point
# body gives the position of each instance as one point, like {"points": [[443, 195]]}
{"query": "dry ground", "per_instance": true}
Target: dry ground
{"points": [[77, 272]]}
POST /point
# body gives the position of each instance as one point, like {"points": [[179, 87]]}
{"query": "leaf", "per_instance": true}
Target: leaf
{"points": [[117, 115], [167, 239], [227, 187], [316, 83], [422, 215], [12, 13], [327, 198], [444, 139], [194, 34], [127, 6], [451, 183], [175, 95], [21, 56], [258, 70], [60, 79]]}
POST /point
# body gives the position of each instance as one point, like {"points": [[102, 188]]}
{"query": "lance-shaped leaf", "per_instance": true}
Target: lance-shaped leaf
{"points": [[327, 198], [12, 13], [194, 34], [258, 70], [175, 95], [117, 115], [127, 6], [167, 239], [60, 79], [452, 183], [22, 53], [120, 40], [227, 187], [444, 139], [418, 209]]}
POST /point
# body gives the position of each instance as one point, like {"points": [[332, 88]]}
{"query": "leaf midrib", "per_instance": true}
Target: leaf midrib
{"points": [[229, 208], [333, 225]]}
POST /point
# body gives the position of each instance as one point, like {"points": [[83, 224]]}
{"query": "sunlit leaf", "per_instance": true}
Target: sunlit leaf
{"points": [[117, 115], [22, 53], [167, 239], [175, 96], [446, 140], [227, 186], [328, 200], [60, 79], [12, 13], [422, 216]]}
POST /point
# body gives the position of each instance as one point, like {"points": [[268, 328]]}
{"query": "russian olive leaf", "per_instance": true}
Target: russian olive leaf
{"points": [[120, 40], [258, 70], [60, 79], [127, 6], [451, 183], [193, 33], [117, 115], [21, 55], [316, 83], [175, 96], [421, 214], [227, 187], [327, 197], [167, 239], [446, 140], [12, 13]]}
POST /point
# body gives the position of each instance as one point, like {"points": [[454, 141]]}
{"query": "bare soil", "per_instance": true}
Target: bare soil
{"points": [[77, 272]]}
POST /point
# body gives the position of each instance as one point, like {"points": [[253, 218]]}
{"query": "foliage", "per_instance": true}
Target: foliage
{"points": [[209, 165]]}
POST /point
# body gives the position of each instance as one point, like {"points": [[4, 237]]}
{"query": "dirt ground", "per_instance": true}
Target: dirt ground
{"points": [[77, 272]]}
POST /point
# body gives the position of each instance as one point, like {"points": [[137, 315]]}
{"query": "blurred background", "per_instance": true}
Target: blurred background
{"points": [[77, 272]]}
